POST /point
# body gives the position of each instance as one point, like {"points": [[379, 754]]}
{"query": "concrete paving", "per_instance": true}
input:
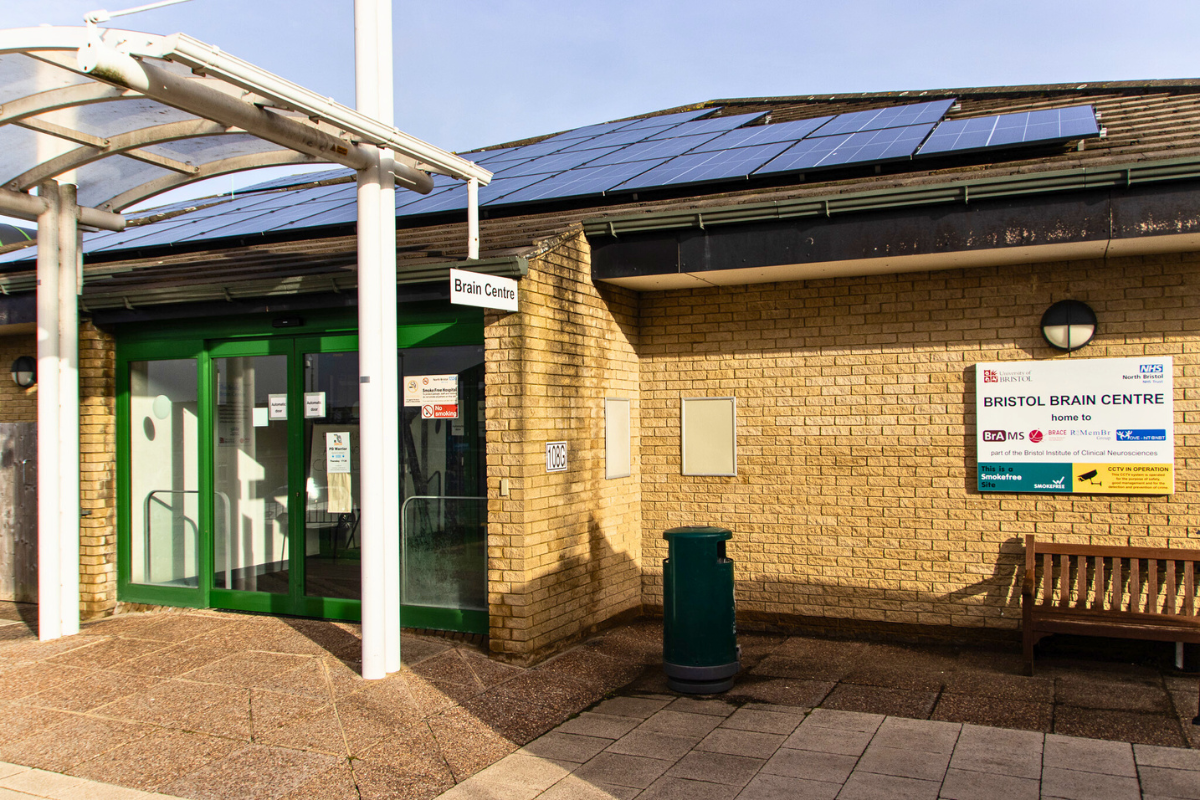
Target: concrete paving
{"points": [[210, 705], [662, 747]]}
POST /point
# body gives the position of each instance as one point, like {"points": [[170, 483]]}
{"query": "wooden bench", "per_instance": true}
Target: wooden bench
{"points": [[1126, 592]]}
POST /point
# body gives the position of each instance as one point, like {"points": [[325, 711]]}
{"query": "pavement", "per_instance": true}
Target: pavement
{"points": [[210, 705]]}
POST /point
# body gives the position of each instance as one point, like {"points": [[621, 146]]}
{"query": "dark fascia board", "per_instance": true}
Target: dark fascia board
{"points": [[18, 309], [97, 296], [1014, 214]]}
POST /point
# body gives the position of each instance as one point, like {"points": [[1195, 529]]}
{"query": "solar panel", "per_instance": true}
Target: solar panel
{"points": [[588, 131], [828, 151], [295, 180], [530, 151], [671, 119], [765, 134], [881, 118], [1007, 130], [582, 181], [556, 162], [650, 150], [710, 125], [484, 156], [616, 138], [697, 167]]}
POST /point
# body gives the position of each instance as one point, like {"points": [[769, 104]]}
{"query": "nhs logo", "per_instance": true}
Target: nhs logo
{"points": [[1151, 369]]}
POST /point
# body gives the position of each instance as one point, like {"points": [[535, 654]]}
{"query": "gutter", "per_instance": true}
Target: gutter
{"points": [[957, 192]]}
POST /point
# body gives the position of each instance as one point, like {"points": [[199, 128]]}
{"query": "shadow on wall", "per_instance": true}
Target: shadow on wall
{"points": [[985, 610]]}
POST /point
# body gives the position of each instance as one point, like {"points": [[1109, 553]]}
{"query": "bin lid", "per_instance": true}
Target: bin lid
{"points": [[698, 532]]}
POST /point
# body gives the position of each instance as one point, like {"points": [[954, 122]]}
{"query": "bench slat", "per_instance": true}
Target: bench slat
{"points": [[1152, 585], [1135, 585], [1164, 553], [1189, 603], [1100, 595], [1117, 593], [1169, 588], [1047, 578], [1064, 581]]}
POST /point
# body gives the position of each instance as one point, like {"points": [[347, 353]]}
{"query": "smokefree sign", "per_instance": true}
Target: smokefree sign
{"points": [[1096, 426]]}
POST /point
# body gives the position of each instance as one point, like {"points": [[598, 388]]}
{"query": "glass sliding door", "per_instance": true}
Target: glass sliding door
{"points": [[443, 489], [250, 473], [164, 473], [238, 467], [333, 505]]}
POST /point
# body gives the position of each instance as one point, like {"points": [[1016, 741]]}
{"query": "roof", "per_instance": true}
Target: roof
{"points": [[125, 115], [260, 241]]}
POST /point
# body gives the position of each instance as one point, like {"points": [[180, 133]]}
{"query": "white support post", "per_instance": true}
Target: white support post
{"points": [[68, 393], [473, 218], [384, 111], [371, 355], [49, 520]]}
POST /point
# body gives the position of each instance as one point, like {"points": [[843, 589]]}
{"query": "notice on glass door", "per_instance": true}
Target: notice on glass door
{"points": [[337, 470], [435, 395]]}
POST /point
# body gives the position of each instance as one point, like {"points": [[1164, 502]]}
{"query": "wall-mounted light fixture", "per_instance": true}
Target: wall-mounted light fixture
{"points": [[1068, 325], [24, 372]]}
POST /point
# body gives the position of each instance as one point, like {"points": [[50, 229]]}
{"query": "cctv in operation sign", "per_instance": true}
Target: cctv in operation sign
{"points": [[1093, 426]]}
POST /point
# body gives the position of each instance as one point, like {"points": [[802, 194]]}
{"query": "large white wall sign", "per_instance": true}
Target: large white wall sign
{"points": [[1099, 426]]}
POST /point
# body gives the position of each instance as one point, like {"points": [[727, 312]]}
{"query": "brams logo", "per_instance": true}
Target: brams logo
{"points": [[1003, 436], [990, 376]]}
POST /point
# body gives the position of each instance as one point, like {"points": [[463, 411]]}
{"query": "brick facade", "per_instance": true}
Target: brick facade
{"points": [[564, 549], [855, 497], [98, 471], [16, 404], [98, 458]]}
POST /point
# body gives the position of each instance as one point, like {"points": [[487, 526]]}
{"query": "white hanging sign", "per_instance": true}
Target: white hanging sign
{"points": [[483, 291]]}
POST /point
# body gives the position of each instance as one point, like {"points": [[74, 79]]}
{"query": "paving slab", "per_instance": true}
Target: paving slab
{"points": [[210, 705], [1072, 784], [966, 785]]}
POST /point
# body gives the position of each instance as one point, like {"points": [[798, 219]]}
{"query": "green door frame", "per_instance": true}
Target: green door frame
{"points": [[326, 332]]}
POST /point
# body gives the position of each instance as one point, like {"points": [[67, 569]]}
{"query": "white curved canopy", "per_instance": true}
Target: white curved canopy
{"points": [[72, 109]]}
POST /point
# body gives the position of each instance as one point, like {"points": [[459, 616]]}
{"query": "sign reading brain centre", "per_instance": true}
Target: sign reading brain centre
{"points": [[1094, 426]]}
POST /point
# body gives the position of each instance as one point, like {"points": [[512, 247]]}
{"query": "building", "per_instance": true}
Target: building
{"points": [[837, 265]]}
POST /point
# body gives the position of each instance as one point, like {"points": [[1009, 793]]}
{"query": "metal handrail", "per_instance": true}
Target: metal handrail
{"points": [[146, 521], [404, 518]]}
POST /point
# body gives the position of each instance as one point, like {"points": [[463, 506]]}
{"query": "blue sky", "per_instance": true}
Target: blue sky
{"points": [[471, 73]]}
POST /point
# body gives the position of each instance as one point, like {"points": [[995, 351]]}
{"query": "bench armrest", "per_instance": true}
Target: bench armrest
{"points": [[1027, 587]]}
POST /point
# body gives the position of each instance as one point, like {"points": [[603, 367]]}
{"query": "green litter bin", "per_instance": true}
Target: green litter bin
{"points": [[700, 649]]}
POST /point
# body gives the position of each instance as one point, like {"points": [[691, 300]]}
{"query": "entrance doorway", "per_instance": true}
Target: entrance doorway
{"points": [[240, 487]]}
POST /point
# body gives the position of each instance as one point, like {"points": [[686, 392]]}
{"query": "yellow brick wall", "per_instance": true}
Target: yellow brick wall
{"points": [[98, 471], [97, 425], [564, 549], [16, 404], [855, 496]]}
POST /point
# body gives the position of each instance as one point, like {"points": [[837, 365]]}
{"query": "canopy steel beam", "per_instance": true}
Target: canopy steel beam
{"points": [[210, 170], [106, 64], [55, 99], [28, 207]]}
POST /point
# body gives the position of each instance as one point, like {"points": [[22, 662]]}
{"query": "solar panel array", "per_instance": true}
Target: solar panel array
{"points": [[692, 147]]}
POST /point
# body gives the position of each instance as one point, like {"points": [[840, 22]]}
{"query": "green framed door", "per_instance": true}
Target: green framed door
{"points": [[163, 472], [237, 475], [285, 523]]}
